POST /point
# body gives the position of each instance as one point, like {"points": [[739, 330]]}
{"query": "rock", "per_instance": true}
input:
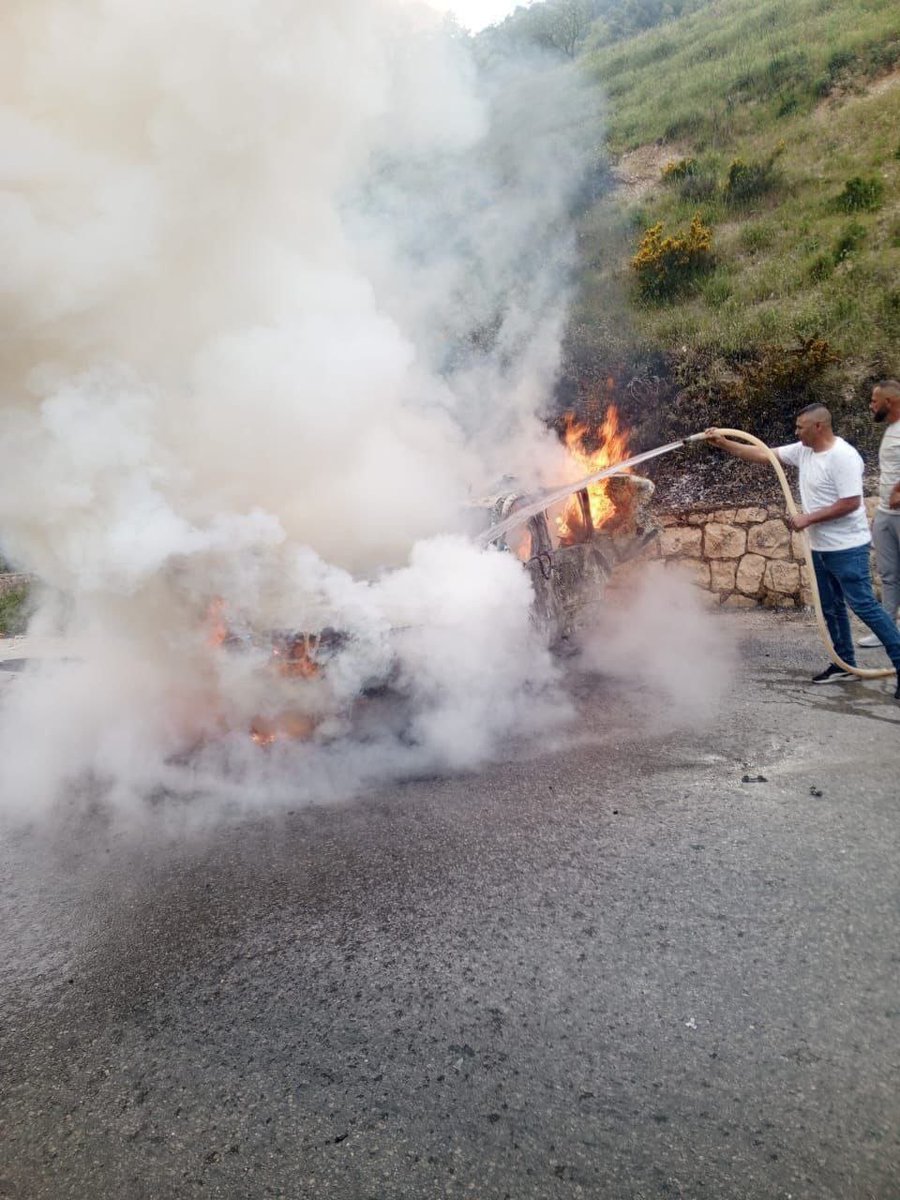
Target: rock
{"points": [[798, 546], [772, 539], [723, 541], [694, 569], [722, 576], [681, 542], [782, 577], [750, 574], [750, 516], [736, 600]]}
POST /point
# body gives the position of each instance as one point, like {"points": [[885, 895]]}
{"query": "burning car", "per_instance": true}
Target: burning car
{"points": [[569, 540]]}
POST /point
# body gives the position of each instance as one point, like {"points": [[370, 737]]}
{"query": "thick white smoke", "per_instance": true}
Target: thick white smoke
{"points": [[282, 290]]}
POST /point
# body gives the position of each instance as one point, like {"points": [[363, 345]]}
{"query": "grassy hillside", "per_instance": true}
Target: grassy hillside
{"points": [[735, 67], [779, 122]]}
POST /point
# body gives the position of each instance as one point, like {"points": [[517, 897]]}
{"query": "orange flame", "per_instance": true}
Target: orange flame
{"points": [[216, 624], [612, 449]]}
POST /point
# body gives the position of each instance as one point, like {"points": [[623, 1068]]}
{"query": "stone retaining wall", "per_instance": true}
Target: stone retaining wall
{"points": [[744, 556]]}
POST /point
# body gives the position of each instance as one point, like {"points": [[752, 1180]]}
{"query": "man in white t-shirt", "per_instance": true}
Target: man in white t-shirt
{"points": [[885, 406], [831, 493]]}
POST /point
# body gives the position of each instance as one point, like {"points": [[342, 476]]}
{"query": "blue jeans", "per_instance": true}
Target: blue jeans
{"points": [[843, 578]]}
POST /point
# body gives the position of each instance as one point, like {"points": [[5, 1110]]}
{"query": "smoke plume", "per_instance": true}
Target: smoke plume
{"points": [[655, 632], [283, 291]]}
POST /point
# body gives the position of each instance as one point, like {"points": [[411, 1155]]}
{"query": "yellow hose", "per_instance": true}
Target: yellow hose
{"points": [[862, 672]]}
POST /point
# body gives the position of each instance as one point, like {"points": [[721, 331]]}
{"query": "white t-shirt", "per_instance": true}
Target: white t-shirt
{"points": [[827, 476], [889, 465]]}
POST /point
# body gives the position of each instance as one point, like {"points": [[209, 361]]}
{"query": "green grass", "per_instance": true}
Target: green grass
{"points": [[729, 70], [825, 271], [795, 260], [13, 612]]}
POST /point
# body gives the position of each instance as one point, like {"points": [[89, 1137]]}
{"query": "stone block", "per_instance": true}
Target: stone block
{"points": [[681, 542], [694, 569], [798, 543], [722, 576], [750, 516], [782, 577], [772, 539], [723, 541], [778, 600], [750, 574], [736, 600]]}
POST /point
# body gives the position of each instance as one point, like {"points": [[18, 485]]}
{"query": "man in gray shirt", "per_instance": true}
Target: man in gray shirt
{"points": [[885, 406]]}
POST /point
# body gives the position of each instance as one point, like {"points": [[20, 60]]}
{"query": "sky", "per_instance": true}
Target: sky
{"points": [[475, 14]]}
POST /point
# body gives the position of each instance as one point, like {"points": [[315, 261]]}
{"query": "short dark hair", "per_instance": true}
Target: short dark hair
{"points": [[887, 385], [816, 407]]}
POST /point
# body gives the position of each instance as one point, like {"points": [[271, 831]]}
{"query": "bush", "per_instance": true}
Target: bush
{"points": [[747, 181], [821, 268], [679, 169], [851, 239], [788, 106], [861, 195], [697, 188], [763, 387], [666, 266]]}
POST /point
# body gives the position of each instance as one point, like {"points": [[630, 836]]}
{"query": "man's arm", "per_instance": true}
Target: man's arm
{"points": [[754, 454], [894, 497], [840, 508]]}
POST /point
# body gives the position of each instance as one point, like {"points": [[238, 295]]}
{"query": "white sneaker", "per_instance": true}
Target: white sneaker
{"points": [[870, 640]]}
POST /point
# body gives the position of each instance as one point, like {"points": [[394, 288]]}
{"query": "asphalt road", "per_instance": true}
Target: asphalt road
{"points": [[605, 968]]}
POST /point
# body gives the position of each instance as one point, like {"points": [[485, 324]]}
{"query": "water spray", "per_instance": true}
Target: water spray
{"points": [[553, 495]]}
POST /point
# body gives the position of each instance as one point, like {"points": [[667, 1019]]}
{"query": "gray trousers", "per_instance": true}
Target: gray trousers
{"points": [[886, 540]]}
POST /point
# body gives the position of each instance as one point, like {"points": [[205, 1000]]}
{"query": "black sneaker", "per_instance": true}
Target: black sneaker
{"points": [[833, 674], [897, 693]]}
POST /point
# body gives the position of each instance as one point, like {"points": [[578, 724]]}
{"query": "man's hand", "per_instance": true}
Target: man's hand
{"points": [[717, 438], [894, 498], [799, 521]]}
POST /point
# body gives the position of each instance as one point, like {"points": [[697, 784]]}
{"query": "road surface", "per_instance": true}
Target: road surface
{"points": [[637, 962]]}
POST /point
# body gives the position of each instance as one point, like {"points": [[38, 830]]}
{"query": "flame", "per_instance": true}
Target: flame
{"points": [[216, 625], [286, 727], [294, 656], [612, 448]]}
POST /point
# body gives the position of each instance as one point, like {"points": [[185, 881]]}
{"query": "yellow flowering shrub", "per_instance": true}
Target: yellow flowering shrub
{"points": [[666, 265]]}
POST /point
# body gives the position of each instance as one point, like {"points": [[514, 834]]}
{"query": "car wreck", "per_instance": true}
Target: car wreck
{"points": [[569, 548], [571, 554]]}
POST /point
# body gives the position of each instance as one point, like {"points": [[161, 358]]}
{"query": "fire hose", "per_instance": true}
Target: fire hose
{"points": [[552, 496]]}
